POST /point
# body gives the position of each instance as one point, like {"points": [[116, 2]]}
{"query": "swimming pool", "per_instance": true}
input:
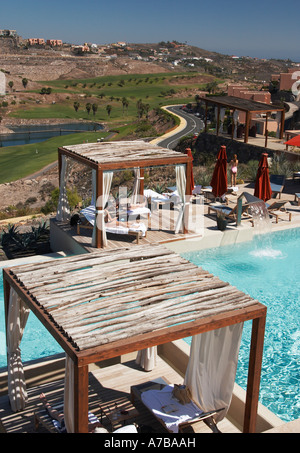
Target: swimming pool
{"points": [[36, 342], [268, 269]]}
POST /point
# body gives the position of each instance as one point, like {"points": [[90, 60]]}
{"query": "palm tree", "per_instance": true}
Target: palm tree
{"points": [[108, 109], [88, 107], [140, 108], [147, 108], [25, 82], [76, 106], [124, 103], [95, 108], [212, 86]]}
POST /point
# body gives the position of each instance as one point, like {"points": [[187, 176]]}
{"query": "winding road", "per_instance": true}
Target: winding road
{"points": [[189, 124]]}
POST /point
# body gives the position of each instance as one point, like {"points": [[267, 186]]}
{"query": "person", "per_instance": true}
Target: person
{"points": [[233, 169], [112, 220], [59, 416]]}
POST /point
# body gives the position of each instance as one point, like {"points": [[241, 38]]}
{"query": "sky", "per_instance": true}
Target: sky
{"points": [[261, 29]]}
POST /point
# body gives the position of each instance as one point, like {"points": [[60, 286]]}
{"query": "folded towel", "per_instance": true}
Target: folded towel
{"points": [[156, 400]]}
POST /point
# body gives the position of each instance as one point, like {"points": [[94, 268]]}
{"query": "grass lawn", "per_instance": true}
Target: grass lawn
{"points": [[154, 90]]}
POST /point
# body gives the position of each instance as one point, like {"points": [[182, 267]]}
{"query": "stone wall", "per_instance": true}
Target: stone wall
{"points": [[210, 144]]}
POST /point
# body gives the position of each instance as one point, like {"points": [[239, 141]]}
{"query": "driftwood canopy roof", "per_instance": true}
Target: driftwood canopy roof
{"points": [[105, 304], [99, 299], [123, 154]]}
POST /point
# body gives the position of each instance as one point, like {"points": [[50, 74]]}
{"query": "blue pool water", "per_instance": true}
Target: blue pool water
{"points": [[36, 342], [268, 269], [24, 135]]}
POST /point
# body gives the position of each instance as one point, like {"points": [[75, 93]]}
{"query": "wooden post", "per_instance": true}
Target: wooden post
{"points": [[205, 128], [188, 173], [266, 131], [141, 181], [218, 120], [248, 116], [99, 207], [59, 167], [6, 291], [81, 400], [232, 129], [282, 124], [255, 361]]}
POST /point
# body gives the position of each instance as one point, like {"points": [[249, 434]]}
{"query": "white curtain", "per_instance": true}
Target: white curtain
{"points": [[69, 396], [235, 117], [181, 187], [278, 121], [63, 208], [17, 317], [107, 180], [147, 358], [212, 368], [136, 185], [222, 115]]}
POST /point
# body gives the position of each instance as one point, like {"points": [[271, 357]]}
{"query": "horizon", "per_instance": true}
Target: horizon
{"points": [[236, 30]]}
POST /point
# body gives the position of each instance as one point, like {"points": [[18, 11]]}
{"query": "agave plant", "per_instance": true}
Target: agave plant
{"points": [[281, 166], [23, 241]]}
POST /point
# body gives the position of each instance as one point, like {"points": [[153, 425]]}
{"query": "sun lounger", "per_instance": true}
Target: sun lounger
{"points": [[174, 416], [136, 229], [297, 198], [296, 174], [277, 209], [158, 199], [229, 212], [277, 184]]}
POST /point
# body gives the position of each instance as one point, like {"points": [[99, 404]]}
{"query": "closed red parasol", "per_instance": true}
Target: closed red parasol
{"points": [[188, 151], [219, 177], [295, 141], [262, 184]]}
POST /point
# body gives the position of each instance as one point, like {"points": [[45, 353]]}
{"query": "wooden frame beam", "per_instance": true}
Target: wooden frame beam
{"points": [[82, 358], [266, 130], [99, 207], [248, 117], [81, 400], [282, 124], [218, 121], [254, 373]]}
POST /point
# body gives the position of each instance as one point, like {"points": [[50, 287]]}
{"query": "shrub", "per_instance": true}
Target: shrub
{"points": [[281, 166], [51, 206]]}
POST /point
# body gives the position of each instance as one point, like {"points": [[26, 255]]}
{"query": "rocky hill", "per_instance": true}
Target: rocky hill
{"points": [[47, 63]]}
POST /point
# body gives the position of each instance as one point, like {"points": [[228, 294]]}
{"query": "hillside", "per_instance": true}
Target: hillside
{"points": [[47, 63]]}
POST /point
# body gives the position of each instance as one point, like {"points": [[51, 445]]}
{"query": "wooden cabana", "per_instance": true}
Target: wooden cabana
{"points": [[244, 105], [106, 157], [108, 303]]}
